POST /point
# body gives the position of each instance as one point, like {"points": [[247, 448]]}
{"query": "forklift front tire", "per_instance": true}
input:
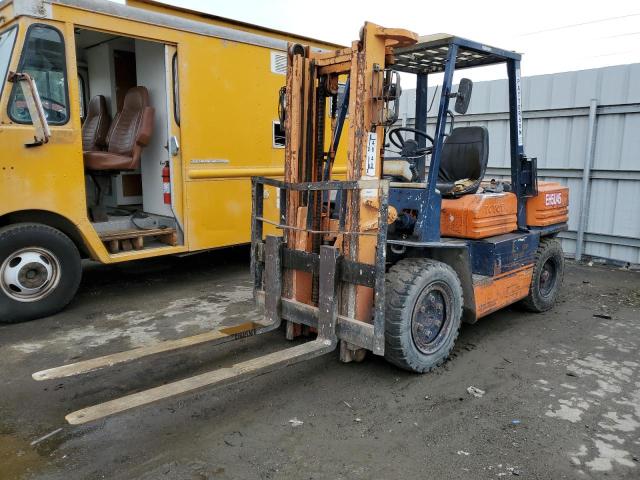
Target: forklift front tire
{"points": [[548, 270], [423, 313], [40, 271]]}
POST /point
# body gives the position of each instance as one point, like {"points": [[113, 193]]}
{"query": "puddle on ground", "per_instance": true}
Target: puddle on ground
{"points": [[18, 459], [190, 315]]}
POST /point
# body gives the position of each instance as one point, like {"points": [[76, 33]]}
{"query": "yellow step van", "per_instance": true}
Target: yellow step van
{"points": [[127, 132]]}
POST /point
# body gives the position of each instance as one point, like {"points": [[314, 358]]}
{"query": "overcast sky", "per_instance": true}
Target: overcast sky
{"points": [[553, 35]]}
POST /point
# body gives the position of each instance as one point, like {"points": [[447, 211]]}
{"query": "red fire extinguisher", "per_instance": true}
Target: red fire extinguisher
{"points": [[166, 183]]}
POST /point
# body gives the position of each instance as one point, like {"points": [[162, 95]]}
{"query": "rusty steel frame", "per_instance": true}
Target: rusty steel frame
{"points": [[362, 225], [352, 330]]}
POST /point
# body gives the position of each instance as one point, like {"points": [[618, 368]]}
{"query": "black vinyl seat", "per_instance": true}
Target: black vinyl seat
{"points": [[464, 156]]}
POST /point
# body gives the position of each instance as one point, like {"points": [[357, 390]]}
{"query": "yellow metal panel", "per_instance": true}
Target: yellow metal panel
{"points": [[228, 102], [223, 208], [248, 172], [230, 96]]}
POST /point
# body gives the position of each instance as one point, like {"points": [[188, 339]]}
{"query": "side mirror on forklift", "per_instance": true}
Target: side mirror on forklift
{"points": [[34, 104], [463, 97]]}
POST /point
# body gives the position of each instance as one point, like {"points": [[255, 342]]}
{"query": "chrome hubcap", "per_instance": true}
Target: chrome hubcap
{"points": [[29, 274]]}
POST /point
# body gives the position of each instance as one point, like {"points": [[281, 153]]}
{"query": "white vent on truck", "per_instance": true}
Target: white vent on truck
{"points": [[279, 63]]}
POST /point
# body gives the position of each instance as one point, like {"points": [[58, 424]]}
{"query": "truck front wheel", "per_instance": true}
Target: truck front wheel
{"points": [[39, 271]]}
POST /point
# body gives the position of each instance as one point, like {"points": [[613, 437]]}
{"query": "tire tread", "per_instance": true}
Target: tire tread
{"points": [[402, 279], [531, 302]]}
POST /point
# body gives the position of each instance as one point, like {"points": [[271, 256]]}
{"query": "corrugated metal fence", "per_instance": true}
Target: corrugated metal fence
{"points": [[556, 111]]}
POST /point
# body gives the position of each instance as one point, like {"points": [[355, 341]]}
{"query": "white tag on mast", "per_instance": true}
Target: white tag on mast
{"points": [[372, 147]]}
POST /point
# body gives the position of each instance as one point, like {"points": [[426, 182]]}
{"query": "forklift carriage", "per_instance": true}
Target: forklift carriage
{"points": [[394, 257]]}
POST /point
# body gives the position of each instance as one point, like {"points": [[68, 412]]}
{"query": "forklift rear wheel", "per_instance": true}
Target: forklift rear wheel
{"points": [[546, 280], [39, 271], [423, 313]]}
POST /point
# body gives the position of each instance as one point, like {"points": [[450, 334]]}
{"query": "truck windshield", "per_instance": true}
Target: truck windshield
{"points": [[43, 58], [7, 39]]}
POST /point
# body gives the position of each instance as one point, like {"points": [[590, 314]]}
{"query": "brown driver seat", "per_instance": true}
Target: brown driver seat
{"points": [[96, 126], [130, 132]]}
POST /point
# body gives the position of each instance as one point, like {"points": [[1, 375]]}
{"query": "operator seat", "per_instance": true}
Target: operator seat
{"points": [[464, 157], [130, 132], [96, 126]]}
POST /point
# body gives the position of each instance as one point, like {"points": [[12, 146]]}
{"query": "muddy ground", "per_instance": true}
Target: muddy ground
{"points": [[562, 390]]}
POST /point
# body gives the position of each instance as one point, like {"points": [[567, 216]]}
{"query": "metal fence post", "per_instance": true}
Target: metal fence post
{"points": [[586, 178]]}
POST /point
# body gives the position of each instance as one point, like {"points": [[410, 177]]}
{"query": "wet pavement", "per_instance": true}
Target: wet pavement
{"points": [[561, 390]]}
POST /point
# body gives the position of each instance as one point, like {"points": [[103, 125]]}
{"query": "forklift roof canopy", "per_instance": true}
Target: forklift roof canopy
{"points": [[429, 55]]}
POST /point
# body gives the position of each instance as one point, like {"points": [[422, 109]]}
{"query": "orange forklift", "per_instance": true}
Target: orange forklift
{"points": [[393, 259], [412, 243]]}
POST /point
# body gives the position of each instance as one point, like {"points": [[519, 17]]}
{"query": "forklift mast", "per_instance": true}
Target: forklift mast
{"points": [[316, 209]]}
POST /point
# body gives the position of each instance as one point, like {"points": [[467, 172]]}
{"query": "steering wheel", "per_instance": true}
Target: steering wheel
{"points": [[49, 105], [409, 147]]}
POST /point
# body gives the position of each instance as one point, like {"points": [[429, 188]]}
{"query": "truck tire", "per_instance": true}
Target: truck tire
{"points": [[423, 313], [40, 271], [548, 271]]}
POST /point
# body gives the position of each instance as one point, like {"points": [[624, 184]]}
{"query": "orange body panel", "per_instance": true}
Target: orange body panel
{"points": [[480, 215], [550, 206], [494, 293]]}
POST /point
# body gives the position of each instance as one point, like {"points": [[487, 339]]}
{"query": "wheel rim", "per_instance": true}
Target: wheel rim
{"points": [[30, 274], [548, 278], [430, 318]]}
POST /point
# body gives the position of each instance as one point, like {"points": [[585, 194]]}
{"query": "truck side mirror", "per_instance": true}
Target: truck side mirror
{"points": [[463, 97], [34, 105]]}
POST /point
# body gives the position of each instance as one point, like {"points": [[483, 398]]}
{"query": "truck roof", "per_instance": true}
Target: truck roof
{"points": [[160, 6], [157, 13]]}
